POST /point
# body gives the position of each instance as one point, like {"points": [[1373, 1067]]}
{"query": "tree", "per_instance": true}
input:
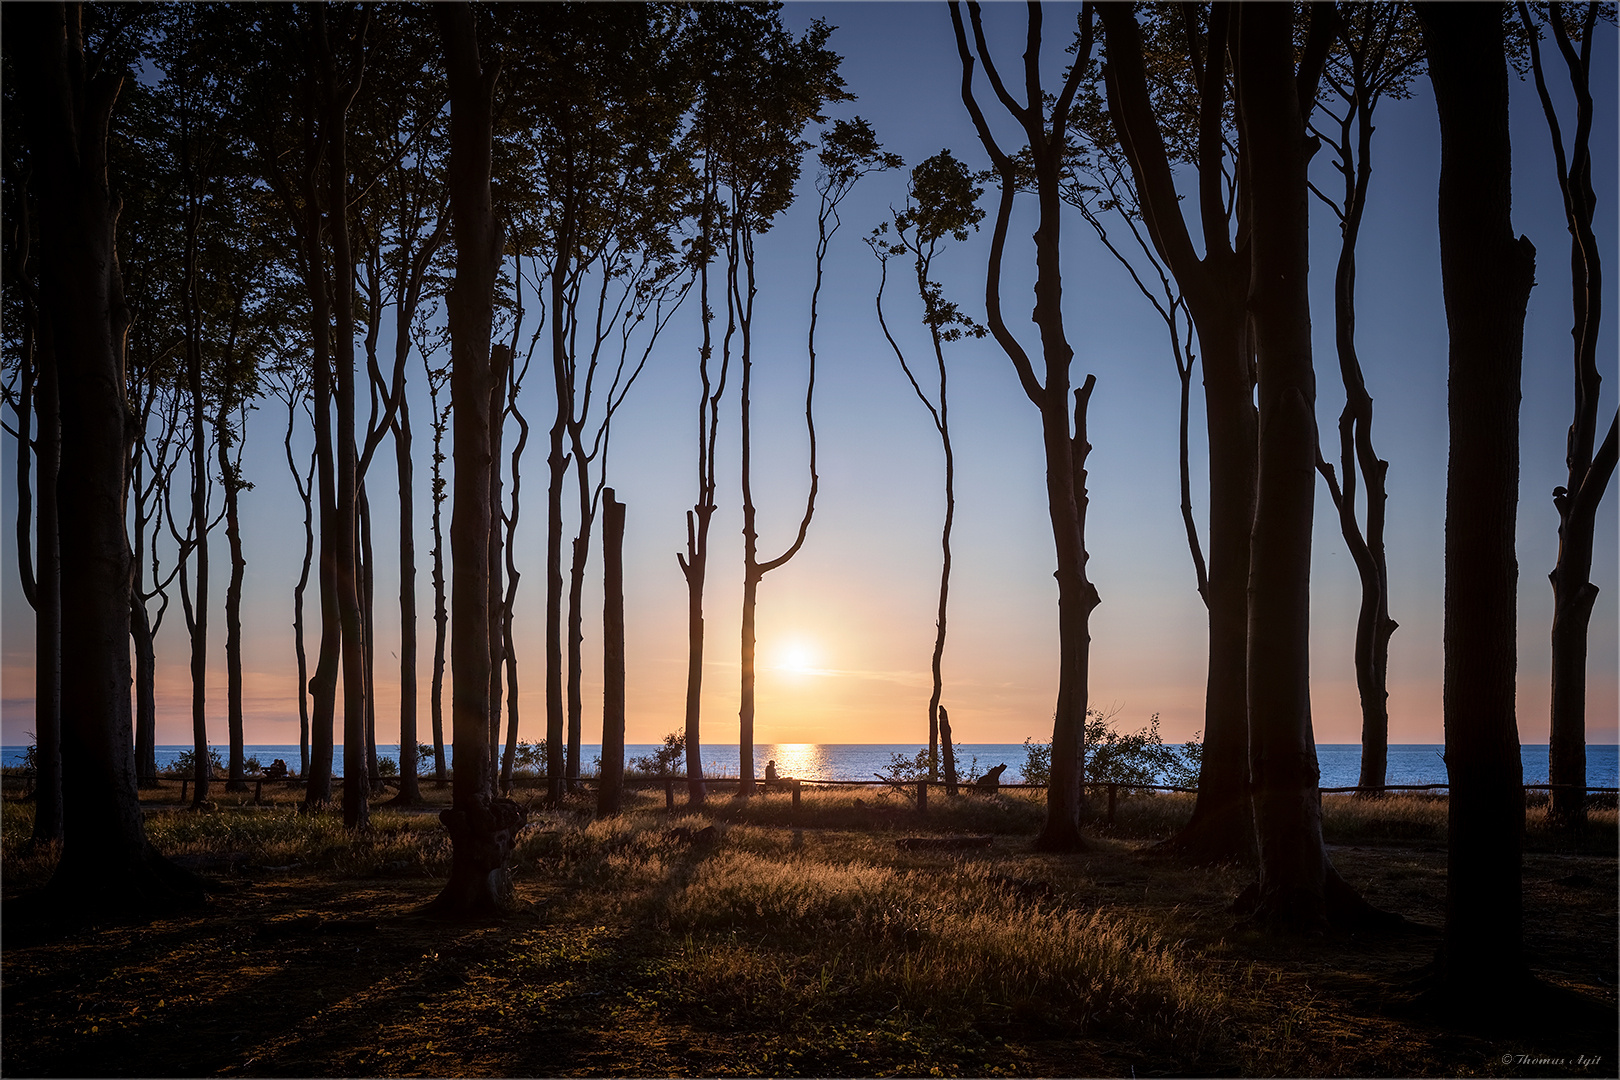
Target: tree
{"points": [[941, 202], [1297, 886], [482, 827], [1066, 448], [1486, 276], [292, 386], [1377, 52], [33, 395], [596, 103], [1215, 286], [437, 378], [607, 801], [849, 150], [1588, 471], [68, 92]]}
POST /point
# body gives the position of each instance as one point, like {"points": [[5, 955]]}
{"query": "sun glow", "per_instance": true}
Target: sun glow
{"points": [[797, 656]]}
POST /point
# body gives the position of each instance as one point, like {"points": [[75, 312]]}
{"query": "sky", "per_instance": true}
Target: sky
{"points": [[846, 628]]}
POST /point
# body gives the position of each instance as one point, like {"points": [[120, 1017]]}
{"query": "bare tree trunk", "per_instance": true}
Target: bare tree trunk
{"points": [[106, 863], [557, 464], [340, 90], [500, 367], [441, 616], [1293, 886], [1486, 275], [233, 605], [145, 694], [509, 603], [410, 792], [949, 749], [1588, 472], [695, 563], [1215, 286], [1065, 453], [482, 826], [306, 491], [48, 611], [368, 606], [612, 781]]}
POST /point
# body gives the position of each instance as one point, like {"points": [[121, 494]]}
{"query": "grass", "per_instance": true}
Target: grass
{"points": [[792, 944]]}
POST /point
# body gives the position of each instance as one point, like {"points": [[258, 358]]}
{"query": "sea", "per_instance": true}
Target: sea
{"points": [[1414, 763]]}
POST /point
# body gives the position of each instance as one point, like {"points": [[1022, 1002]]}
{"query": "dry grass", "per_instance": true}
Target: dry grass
{"points": [[786, 945]]}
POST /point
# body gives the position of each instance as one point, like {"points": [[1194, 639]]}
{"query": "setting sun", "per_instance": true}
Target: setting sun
{"points": [[798, 656]]}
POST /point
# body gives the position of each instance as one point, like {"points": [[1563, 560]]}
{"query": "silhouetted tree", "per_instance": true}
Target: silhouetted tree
{"points": [[292, 385], [607, 798], [1486, 275], [67, 92], [1297, 886], [1066, 448], [849, 150], [1143, 85], [942, 201], [482, 826], [32, 397], [1377, 52], [1588, 471], [436, 380]]}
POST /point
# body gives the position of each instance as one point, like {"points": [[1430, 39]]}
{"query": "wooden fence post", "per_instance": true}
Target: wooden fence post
{"points": [[669, 795], [1113, 792], [795, 800], [922, 796], [183, 784]]}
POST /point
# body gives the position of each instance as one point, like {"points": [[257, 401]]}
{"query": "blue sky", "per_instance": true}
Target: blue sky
{"points": [[846, 628]]}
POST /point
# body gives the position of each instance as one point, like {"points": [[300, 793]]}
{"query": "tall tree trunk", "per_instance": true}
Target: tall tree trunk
{"points": [[612, 781], [576, 599], [306, 491], [1065, 453], [694, 563], [340, 91], [557, 465], [106, 863], [1486, 277], [410, 792], [1356, 455], [145, 694], [441, 615], [233, 607], [368, 595], [482, 827], [1215, 286], [1293, 888], [47, 593], [1588, 472], [509, 602], [500, 366]]}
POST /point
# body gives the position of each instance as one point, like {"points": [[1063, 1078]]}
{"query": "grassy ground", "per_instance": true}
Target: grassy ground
{"points": [[804, 945]]}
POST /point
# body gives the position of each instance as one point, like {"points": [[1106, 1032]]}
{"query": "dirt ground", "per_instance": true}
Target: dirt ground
{"points": [[289, 973]]}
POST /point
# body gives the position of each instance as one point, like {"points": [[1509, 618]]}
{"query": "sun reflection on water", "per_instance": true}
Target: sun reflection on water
{"points": [[803, 760]]}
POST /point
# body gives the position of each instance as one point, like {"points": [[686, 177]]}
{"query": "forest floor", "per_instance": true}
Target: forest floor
{"points": [[808, 946]]}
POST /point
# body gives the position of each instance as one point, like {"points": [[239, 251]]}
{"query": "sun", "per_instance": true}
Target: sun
{"points": [[797, 656]]}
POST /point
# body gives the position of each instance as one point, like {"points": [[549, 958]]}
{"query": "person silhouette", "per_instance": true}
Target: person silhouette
{"points": [[770, 772]]}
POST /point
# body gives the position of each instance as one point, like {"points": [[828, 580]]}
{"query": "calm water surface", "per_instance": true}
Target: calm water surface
{"points": [[1413, 763]]}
